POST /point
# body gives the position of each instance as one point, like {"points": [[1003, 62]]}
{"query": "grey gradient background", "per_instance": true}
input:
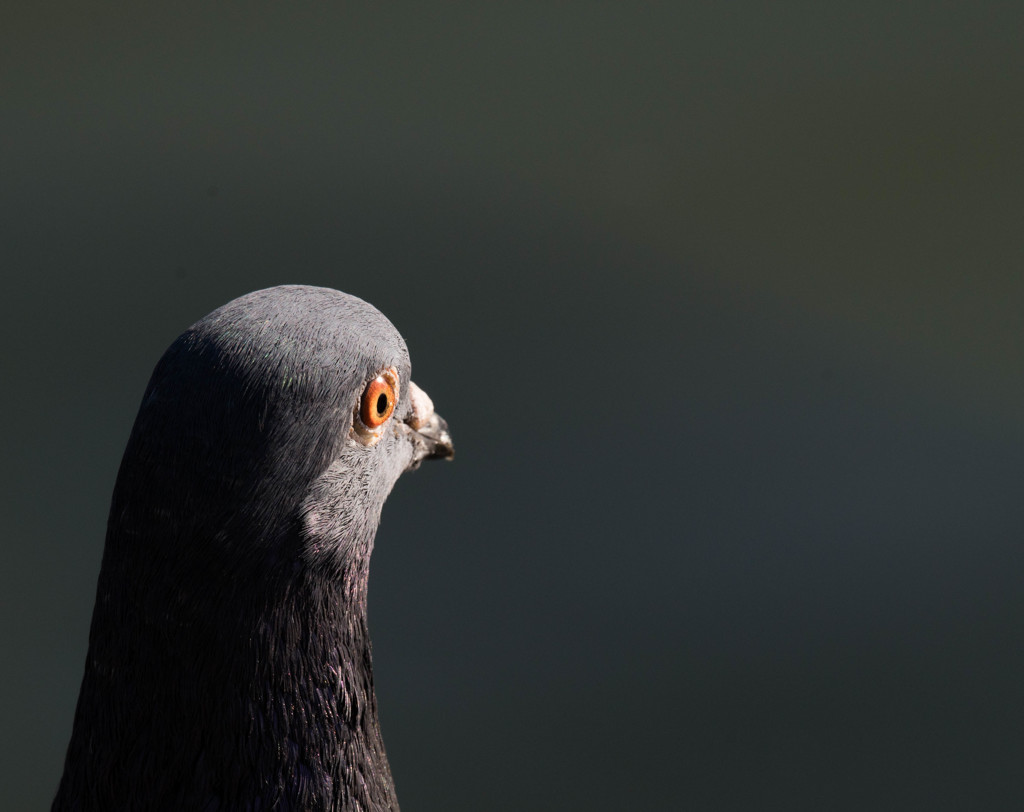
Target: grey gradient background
{"points": [[722, 302]]}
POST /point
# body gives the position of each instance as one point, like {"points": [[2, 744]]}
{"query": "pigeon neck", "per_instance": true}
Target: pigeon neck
{"points": [[314, 689], [189, 712]]}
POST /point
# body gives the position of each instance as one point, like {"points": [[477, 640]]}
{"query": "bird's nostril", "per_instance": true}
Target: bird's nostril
{"points": [[422, 407]]}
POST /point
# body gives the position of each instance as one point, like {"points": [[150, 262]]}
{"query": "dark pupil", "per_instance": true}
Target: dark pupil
{"points": [[382, 403]]}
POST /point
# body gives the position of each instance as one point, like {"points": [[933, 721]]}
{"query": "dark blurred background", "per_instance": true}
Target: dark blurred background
{"points": [[723, 305]]}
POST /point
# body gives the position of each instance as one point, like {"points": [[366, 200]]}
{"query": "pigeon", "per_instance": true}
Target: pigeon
{"points": [[229, 662]]}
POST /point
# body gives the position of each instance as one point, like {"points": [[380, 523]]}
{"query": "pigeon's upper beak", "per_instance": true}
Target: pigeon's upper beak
{"points": [[428, 431]]}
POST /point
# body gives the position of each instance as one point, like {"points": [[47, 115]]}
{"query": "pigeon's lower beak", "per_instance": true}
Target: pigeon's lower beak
{"points": [[428, 431]]}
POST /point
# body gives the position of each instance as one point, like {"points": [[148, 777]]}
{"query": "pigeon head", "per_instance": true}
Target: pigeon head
{"points": [[229, 659], [282, 420]]}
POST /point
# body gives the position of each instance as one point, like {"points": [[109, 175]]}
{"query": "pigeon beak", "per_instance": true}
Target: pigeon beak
{"points": [[428, 431]]}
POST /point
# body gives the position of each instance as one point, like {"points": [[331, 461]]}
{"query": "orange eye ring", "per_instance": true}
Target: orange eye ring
{"points": [[378, 402]]}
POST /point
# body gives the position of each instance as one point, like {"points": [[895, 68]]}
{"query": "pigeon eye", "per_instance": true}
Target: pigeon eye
{"points": [[378, 402]]}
